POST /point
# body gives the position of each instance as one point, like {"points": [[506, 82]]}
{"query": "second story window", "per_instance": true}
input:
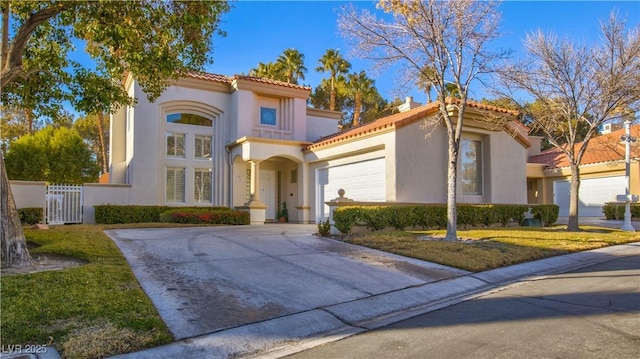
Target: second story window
{"points": [[267, 116], [175, 144], [202, 147], [189, 119]]}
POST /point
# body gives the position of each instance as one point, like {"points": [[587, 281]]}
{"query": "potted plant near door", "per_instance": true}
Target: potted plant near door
{"points": [[283, 214]]}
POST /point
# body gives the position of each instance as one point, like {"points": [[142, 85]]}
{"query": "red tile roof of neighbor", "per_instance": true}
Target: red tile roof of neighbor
{"points": [[601, 149], [402, 119], [229, 79]]}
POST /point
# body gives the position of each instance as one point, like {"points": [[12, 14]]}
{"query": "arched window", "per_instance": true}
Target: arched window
{"points": [[189, 119]]}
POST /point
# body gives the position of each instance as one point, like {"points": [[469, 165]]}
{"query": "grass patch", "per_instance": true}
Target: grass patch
{"points": [[486, 249], [60, 306]]}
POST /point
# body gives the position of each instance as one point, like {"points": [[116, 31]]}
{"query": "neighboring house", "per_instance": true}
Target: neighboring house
{"points": [[252, 143], [602, 174]]}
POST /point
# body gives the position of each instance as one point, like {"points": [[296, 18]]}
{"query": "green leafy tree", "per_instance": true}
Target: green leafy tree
{"points": [[157, 41], [321, 95], [53, 154], [336, 65]]}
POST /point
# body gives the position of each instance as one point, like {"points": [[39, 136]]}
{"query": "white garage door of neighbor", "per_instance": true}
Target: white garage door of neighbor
{"points": [[594, 193], [362, 181]]}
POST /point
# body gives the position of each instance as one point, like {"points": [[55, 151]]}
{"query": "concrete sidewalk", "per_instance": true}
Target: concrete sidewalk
{"points": [[291, 333]]}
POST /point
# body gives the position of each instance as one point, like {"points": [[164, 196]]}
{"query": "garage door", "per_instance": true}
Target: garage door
{"points": [[594, 193], [362, 181]]}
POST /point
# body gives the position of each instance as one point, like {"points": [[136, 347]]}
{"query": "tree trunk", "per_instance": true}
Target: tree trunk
{"points": [[14, 244], [452, 174], [356, 111], [572, 225], [332, 96], [103, 147]]}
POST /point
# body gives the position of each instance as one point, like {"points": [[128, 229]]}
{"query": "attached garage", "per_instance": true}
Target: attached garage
{"points": [[362, 181], [594, 193]]}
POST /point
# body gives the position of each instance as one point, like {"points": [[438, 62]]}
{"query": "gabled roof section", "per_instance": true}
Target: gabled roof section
{"points": [[601, 149], [402, 119]]}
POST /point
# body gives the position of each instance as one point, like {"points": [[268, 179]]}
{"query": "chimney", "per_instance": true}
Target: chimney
{"points": [[408, 104]]}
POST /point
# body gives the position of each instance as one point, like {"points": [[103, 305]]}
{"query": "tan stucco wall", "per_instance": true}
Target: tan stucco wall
{"points": [[421, 166]]}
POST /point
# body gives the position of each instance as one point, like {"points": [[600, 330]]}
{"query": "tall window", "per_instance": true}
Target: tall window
{"points": [[202, 147], [175, 185], [202, 185], [471, 160], [175, 144]]}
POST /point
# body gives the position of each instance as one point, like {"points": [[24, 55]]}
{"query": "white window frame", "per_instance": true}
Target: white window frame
{"points": [[175, 135], [175, 170]]}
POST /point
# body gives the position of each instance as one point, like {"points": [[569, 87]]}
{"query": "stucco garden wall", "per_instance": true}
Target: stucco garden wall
{"points": [[29, 194], [95, 194]]}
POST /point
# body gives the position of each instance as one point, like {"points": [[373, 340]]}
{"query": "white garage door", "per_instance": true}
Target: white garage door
{"points": [[362, 181], [594, 193]]}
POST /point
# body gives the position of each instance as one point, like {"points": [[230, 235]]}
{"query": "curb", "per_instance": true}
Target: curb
{"points": [[290, 334]]}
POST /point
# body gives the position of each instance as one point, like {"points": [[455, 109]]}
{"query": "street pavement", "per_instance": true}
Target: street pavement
{"points": [[593, 312]]}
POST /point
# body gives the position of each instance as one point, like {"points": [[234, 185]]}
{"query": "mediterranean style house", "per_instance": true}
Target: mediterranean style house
{"points": [[602, 173], [253, 144]]}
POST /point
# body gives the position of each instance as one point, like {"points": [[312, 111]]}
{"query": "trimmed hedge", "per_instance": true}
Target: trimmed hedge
{"points": [[116, 214], [546, 213], [430, 216], [205, 216], [30, 215], [615, 210]]}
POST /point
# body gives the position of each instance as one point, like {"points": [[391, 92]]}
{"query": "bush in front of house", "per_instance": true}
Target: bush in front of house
{"points": [[119, 214], [205, 216], [546, 213], [30, 215], [427, 216], [615, 210]]}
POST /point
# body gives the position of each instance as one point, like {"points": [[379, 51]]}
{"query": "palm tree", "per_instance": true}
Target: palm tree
{"points": [[269, 70], [361, 88], [292, 62], [333, 62], [426, 80]]}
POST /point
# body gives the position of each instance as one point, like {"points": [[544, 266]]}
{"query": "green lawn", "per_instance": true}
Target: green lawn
{"points": [[494, 247], [94, 310]]}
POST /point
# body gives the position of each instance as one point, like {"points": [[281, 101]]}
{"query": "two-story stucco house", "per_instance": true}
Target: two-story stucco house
{"points": [[253, 143]]}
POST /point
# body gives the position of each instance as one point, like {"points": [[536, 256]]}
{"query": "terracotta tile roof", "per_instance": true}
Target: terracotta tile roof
{"points": [[402, 119], [602, 149], [209, 77], [229, 79]]}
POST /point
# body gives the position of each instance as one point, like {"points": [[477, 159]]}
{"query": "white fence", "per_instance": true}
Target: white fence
{"points": [[64, 204], [68, 204]]}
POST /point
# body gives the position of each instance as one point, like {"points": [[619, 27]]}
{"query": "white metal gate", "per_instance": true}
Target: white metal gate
{"points": [[64, 204]]}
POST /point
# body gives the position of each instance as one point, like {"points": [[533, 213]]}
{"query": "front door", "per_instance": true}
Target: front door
{"points": [[268, 192]]}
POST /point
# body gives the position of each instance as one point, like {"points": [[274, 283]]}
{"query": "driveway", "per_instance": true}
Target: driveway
{"points": [[204, 280]]}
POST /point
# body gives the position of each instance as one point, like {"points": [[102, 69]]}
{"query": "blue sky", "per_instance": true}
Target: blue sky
{"points": [[258, 31]]}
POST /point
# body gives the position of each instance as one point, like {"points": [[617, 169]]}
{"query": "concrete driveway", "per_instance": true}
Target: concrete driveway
{"points": [[205, 280]]}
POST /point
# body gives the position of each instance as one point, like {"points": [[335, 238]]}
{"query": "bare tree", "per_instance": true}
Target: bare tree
{"points": [[577, 87], [441, 43]]}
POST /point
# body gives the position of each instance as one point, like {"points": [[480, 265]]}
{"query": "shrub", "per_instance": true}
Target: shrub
{"points": [[324, 228], [425, 216], [117, 214], [205, 216], [546, 213], [30, 215], [615, 210]]}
